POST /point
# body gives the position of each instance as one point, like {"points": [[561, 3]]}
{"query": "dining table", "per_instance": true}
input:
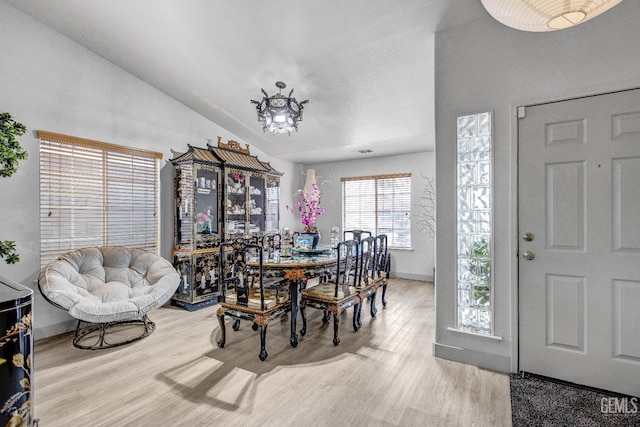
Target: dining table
{"points": [[296, 269]]}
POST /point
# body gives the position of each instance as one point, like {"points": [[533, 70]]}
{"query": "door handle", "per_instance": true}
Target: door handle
{"points": [[528, 255]]}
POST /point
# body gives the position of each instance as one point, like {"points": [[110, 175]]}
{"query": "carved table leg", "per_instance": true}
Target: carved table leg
{"points": [[293, 295], [223, 332], [336, 323], [263, 338], [303, 314]]}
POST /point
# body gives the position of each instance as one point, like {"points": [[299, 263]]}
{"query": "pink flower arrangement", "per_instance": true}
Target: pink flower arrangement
{"points": [[309, 208], [204, 220]]}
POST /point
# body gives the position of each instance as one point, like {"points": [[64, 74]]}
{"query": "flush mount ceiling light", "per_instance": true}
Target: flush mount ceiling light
{"points": [[546, 15], [279, 113]]}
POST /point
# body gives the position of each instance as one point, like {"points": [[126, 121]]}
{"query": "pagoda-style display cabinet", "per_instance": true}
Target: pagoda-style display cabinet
{"points": [[221, 193]]}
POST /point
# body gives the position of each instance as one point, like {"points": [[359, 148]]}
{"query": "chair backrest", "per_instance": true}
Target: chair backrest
{"points": [[368, 261], [383, 259], [253, 239], [355, 234], [347, 265], [271, 242], [235, 273]]}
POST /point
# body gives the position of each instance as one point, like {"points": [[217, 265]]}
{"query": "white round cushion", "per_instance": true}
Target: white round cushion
{"points": [[109, 283]]}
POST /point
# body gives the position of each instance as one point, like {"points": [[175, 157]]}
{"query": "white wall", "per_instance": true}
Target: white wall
{"points": [[484, 65], [416, 263], [48, 82]]}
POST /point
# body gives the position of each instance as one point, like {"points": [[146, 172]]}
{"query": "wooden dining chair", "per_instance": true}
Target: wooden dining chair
{"points": [[337, 293], [367, 277], [383, 264], [246, 295], [272, 243]]}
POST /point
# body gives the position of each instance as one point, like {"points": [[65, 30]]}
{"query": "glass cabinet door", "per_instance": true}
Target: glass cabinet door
{"points": [[206, 202], [235, 203], [184, 204], [256, 205]]}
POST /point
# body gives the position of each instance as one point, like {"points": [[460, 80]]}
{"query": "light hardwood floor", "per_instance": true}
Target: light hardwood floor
{"points": [[383, 375]]}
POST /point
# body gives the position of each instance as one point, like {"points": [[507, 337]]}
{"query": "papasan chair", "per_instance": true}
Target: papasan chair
{"points": [[109, 290]]}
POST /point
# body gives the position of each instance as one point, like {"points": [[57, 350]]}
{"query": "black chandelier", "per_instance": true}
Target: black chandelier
{"points": [[279, 113]]}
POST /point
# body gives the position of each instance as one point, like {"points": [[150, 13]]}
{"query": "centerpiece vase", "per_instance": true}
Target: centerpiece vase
{"points": [[315, 235]]}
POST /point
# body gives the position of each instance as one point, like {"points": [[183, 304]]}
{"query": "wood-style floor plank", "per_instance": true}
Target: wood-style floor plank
{"points": [[382, 375]]}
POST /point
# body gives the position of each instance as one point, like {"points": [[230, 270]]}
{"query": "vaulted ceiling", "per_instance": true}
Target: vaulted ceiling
{"points": [[365, 65]]}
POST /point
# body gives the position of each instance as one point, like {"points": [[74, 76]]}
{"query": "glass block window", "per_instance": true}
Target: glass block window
{"points": [[474, 219]]}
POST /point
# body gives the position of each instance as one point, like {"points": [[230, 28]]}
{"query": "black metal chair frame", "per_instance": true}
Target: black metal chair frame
{"points": [[99, 332], [239, 276]]}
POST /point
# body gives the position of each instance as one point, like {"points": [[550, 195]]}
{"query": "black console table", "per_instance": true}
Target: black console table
{"points": [[16, 354]]}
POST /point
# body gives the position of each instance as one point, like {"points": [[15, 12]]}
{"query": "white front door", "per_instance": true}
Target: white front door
{"points": [[579, 241]]}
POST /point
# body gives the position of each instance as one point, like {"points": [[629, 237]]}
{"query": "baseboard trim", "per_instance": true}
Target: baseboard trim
{"points": [[411, 276], [473, 357], [54, 329]]}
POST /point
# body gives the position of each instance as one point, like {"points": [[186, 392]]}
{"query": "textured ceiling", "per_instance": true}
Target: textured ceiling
{"points": [[365, 65]]}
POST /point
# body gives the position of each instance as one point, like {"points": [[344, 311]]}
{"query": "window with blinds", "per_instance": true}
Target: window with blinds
{"points": [[96, 194], [272, 208], [380, 204]]}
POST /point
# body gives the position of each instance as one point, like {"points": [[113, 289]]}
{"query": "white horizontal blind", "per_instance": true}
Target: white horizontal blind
{"points": [[359, 205], [96, 194], [272, 208], [380, 204]]}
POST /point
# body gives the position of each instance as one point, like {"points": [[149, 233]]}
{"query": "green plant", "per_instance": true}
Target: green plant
{"points": [[11, 153], [8, 251], [480, 267]]}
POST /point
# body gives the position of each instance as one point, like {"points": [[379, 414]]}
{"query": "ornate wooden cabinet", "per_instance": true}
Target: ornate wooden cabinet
{"points": [[197, 226], [251, 192], [221, 193]]}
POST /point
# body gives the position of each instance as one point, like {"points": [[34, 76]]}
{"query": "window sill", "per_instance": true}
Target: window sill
{"points": [[476, 335]]}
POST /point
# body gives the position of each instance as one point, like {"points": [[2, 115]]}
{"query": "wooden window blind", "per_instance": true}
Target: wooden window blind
{"points": [[96, 194], [380, 204]]}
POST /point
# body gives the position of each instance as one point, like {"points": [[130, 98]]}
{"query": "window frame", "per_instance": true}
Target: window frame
{"points": [[375, 219], [116, 189], [474, 267]]}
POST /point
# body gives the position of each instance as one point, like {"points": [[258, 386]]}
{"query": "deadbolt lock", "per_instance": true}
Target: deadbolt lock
{"points": [[528, 237]]}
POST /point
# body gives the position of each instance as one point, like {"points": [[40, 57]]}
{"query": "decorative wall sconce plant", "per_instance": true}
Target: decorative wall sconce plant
{"points": [[11, 153]]}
